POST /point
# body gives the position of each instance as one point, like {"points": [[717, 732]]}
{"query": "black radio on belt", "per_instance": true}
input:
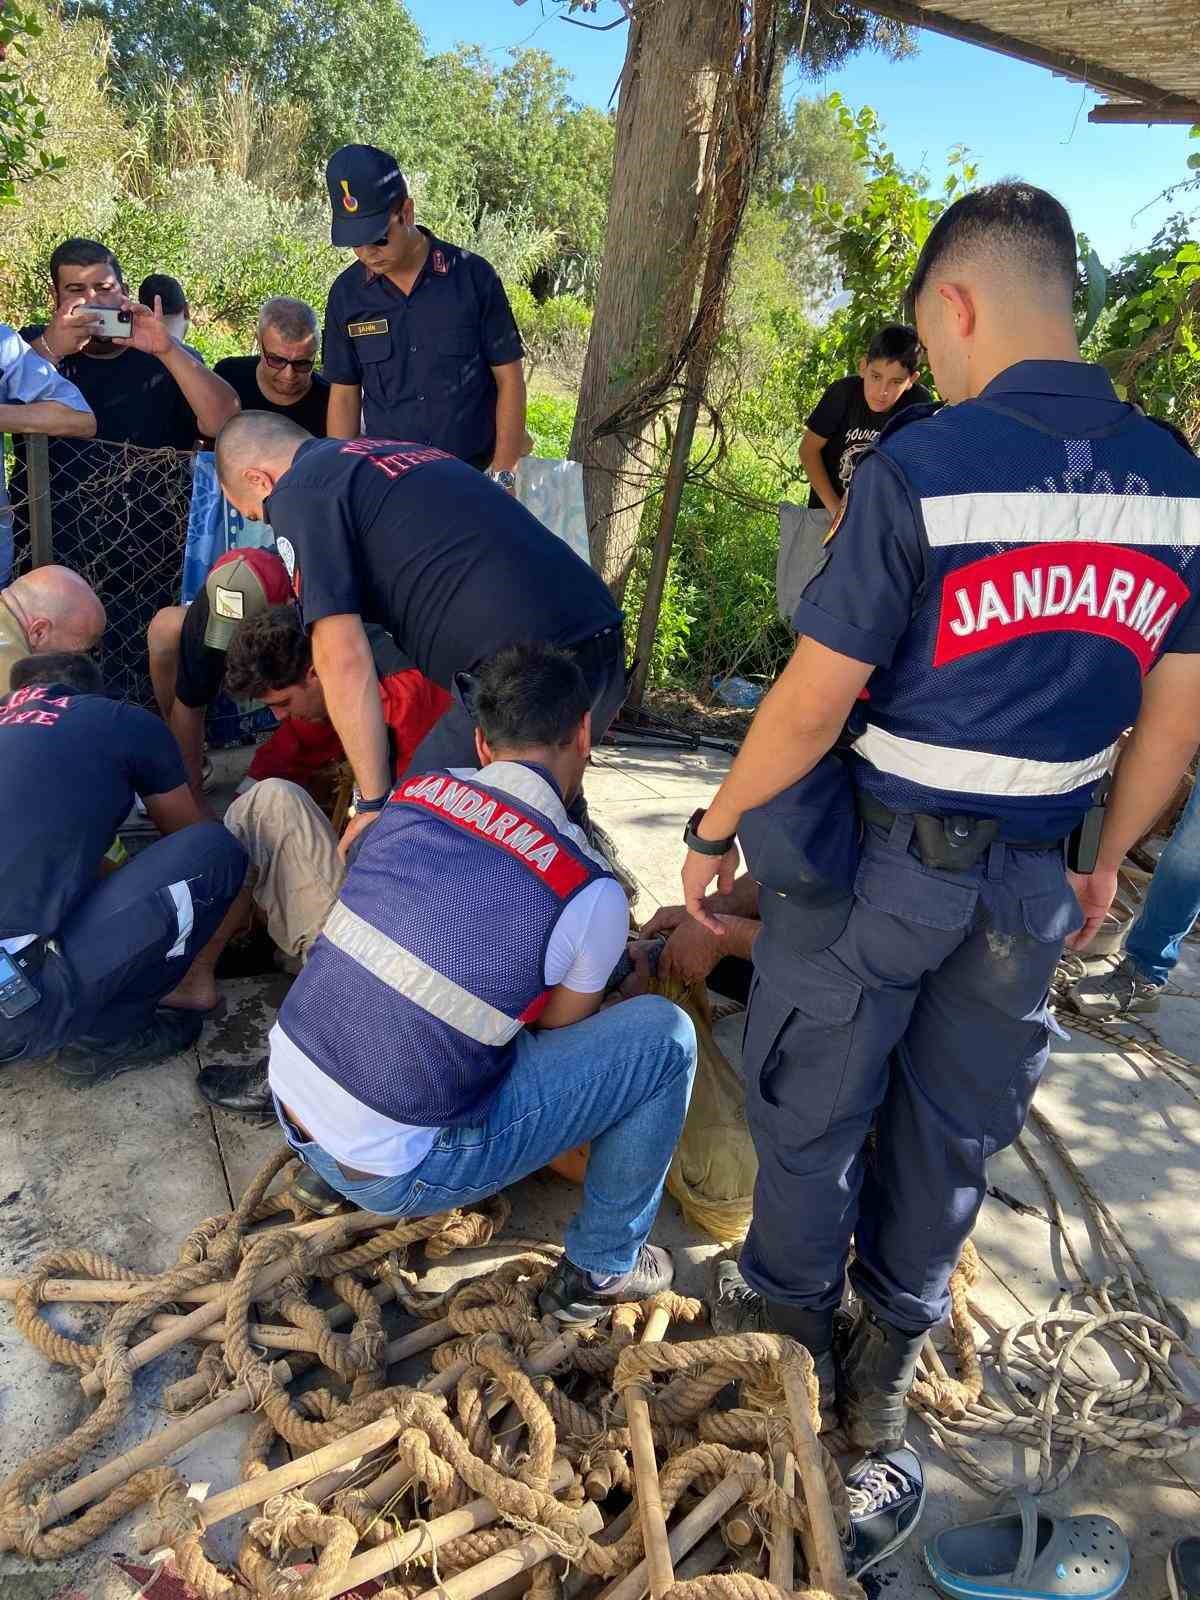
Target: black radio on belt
{"points": [[1083, 844], [17, 993]]}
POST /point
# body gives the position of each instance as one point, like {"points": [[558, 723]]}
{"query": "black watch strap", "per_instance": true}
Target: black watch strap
{"points": [[705, 847], [365, 807]]}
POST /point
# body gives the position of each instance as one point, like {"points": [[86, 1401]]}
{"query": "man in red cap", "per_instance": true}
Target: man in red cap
{"points": [[188, 643]]}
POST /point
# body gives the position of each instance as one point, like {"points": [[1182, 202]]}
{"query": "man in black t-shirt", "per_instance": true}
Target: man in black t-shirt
{"points": [[119, 520], [118, 969], [844, 425], [454, 568], [281, 377]]}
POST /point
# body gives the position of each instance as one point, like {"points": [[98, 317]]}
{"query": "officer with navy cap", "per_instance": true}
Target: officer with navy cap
{"points": [[1013, 584], [420, 341]]}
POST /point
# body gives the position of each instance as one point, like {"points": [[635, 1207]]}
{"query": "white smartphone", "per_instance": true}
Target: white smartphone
{"points": [[113, 324]]}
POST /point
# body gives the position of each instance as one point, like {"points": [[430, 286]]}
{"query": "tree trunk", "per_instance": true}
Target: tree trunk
{"points": [[652, 254]]}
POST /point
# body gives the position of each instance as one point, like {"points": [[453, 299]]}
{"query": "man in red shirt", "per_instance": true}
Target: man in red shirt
{"points": [[291, 844]]}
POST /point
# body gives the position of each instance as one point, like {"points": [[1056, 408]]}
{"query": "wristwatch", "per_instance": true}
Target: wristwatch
{"points": [[502, 476], [365, 807], [705, 847]]}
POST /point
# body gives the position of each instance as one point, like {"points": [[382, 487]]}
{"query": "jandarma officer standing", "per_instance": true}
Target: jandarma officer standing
{"points": [[1014, 584], [419, 336]]}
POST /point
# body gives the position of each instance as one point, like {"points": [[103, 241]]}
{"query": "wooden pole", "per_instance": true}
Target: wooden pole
{"points": [[498, 1568], [687, 1532], [255, 1491], [827, 1547], [214, 1311], [94, 1485], [544, 1360], [393, 1553], [645, 1470], [783, 1547], [120, 1290]]}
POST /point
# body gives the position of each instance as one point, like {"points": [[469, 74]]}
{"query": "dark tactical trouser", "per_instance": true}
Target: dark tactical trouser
{"points": [[129, 942], [926, 1020]]}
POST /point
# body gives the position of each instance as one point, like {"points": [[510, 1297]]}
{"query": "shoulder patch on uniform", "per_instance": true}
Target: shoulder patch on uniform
{"points": [[360, 330], [439, 262]]}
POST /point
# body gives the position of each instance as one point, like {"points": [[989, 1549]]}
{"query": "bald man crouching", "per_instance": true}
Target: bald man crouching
{"points": [[50, 609]]}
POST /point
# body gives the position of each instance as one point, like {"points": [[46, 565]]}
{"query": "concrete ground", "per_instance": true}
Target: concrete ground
{"points": [[129, 1168]]}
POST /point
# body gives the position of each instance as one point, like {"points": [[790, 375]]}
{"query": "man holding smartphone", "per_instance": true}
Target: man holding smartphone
{"points": [[143, 386], [147, 391]]}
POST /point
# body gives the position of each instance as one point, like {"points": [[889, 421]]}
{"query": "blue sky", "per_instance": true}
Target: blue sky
{"points": [[1016, 119]]}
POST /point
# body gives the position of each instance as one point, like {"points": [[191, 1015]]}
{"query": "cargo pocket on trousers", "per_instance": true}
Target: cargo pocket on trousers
{"points": [[1051, 916], [796, 1048]]}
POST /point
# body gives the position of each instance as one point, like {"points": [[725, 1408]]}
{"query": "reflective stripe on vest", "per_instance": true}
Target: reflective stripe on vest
{"points": [[937, 766], [408, 975], [1024, 517]]}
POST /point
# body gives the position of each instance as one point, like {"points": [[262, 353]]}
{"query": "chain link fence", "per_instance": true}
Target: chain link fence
{"points": [[116, 514]]}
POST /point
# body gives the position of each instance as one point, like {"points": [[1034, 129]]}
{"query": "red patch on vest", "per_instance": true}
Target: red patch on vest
{"points": [[497, 820], [1118, 593], [440, 265]]}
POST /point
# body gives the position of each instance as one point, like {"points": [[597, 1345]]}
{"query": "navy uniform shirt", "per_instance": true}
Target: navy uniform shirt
{"points": [[70, 765], [1011, 566], [409, 538], [423, 360]]}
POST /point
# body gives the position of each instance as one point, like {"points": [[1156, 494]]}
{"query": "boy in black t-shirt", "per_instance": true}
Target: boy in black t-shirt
{"points": [[853, 412], [845, 423]]}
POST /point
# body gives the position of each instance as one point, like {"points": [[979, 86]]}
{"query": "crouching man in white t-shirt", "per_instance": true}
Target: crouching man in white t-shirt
{"points": [[446, 1036]]}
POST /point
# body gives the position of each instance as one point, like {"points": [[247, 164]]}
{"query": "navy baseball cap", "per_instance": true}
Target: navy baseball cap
{"points": [[365, 185]]}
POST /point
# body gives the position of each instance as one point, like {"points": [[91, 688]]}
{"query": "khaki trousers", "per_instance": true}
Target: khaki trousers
{"points": [[295, 871]]}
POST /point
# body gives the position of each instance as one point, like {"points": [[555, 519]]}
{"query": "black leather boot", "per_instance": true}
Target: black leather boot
{"points": [[735, 1307], [242, 1090], [876, 1372]]}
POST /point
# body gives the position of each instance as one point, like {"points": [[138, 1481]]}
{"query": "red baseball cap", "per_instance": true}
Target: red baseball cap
{"points": [[242, 584]]}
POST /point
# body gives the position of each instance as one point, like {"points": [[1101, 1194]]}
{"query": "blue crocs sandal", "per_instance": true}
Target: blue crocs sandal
{"points": [[1030, 1555]]}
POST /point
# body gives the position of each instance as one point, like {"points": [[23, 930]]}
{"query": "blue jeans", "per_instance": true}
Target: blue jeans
{"points": [[1172, 901], [622, 1080]]}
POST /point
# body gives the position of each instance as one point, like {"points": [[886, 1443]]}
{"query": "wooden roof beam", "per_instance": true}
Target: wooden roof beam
{"points": [[1148, 96], [1186, 112]]}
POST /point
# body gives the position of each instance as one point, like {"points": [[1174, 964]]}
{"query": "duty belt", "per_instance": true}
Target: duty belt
{"points": [[951, 843]]}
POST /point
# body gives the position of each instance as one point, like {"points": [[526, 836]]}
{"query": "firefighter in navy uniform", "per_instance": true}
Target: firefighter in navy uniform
{"points": [[1014, 585]]}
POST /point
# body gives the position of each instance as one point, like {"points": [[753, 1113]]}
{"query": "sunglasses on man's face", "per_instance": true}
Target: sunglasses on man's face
{"points": [[278, 363]]}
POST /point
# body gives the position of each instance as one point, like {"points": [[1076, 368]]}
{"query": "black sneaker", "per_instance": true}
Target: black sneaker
{"points": [[887, 1497], [315, 1195], [734, 1307], [1183, 1569], [572, 1296], [90, 1061], [242, 1091]]}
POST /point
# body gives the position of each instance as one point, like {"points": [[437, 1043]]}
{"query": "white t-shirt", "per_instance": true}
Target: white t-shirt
{"points": [[583, 950]]}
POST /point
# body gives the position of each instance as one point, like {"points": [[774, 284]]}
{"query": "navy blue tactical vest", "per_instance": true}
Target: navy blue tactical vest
{"points": [[1058, 571], [433, 958]]}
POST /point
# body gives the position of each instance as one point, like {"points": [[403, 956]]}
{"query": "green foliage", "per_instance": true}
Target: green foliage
{"points": [[877, 239], [341, 59], [555, 332], [510, 140], [807, 148], [550, 419], [23, 155], [1150, 337]]}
